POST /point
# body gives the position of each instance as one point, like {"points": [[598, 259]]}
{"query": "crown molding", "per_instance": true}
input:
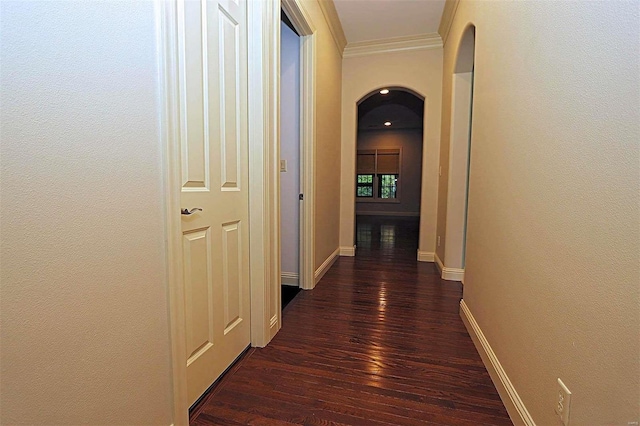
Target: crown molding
{"points": [[397, 44], [333, 22], [450, 8]]}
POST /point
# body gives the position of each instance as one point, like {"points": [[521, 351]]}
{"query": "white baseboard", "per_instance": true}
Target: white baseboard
{"points": [[326, 265], [403, 214], [290, 278], [453, 274], [515, 407], [274, 326], [348, 251], [449, 274], [425, 256]]}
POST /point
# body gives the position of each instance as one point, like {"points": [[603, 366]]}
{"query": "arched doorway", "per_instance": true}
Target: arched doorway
{"points": [[389, 151], [459, 158]]}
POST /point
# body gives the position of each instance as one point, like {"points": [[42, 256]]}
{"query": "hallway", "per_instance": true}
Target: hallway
{"points": [[379, 341]]}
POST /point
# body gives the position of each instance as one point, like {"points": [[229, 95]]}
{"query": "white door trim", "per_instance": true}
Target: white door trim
{"points": [[302, 22], [166, 20], [264, 169], [264, 224]]}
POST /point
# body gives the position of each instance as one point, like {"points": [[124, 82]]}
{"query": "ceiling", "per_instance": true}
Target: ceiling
{"points": [[365, 20], [403, 109]]}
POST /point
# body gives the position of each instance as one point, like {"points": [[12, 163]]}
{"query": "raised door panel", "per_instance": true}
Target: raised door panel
{"points": [[228, 51], [194, 102], [198, 292], [232, 273]]}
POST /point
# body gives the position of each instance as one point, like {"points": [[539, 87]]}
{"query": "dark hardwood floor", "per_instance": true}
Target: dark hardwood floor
{"points": [[379, 341]]}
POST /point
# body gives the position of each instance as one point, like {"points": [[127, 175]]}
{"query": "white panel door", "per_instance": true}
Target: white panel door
{"points": [[214, 163]]}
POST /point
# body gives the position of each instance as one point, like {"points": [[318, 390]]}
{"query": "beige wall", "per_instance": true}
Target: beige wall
{"points": [[409, 141], [421, 71], [327, 143], [83, 298], [552, 271]]}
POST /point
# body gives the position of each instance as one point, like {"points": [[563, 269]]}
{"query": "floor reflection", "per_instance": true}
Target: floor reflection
{"points": [[387, 237], [364, 233], [388, 245]]}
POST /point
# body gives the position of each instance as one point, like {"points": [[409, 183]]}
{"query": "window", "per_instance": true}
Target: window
{"points": [[388, 185], [378, 174], [365, 185]]}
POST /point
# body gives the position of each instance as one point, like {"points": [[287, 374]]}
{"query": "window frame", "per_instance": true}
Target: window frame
{"points": [[376, 179]]}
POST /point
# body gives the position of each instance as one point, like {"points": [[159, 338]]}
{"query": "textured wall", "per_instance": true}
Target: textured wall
{"points": [[552, 271], [410, 142], [290, 148], [420, 71], [83, 299]]}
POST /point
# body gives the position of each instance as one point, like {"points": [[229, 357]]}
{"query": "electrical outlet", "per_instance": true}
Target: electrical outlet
{"points": [[563, 402], [438, 240]]}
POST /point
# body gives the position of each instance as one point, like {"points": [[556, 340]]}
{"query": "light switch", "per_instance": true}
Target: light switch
{"points": [[283, 165]]}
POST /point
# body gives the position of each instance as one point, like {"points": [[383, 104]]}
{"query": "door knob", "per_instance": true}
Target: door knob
{"points": [[187, 212]]}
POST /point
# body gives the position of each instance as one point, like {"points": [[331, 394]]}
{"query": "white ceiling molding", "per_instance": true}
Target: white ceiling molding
{"points": [[397, 44], [333, 21], [450, 8]]}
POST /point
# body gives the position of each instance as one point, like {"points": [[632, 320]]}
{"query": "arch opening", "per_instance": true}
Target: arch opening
{"points": [[460, 156], [389, 151]]}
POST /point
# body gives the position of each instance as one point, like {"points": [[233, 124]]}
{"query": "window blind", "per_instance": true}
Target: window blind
{"points": [[366, 161], [388, 161]]}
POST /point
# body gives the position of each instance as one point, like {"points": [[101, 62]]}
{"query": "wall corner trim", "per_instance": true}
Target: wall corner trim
{"points": [[348, 251], [326, 265], [396, 44], [333, 22], [439, 263], [449, 274], [515, 407], [449, 12], [426, 256]]}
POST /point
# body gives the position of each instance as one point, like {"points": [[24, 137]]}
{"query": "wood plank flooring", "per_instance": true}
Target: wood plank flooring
{"points": [[379, 341]]}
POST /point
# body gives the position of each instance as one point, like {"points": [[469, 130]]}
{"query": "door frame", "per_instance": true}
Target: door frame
{"points": [[301, 20], [264, 173], [169, 120]]}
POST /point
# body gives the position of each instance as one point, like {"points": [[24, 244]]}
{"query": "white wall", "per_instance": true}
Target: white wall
{"points": [[409, 141], [290, 148], [83, 298], [420, 71], [552, 271]]}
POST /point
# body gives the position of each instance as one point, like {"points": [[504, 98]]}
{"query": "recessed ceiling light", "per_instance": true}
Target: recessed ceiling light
{"points": [[384, 91], [387, 123]]}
